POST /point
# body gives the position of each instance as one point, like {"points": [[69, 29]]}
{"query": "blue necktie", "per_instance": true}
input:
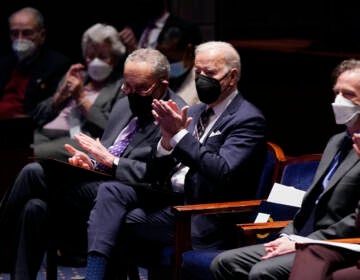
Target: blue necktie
{"points": [[340, 155]]}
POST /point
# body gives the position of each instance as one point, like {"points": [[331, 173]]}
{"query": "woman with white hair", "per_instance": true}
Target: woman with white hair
{"points": [[84, 97]]}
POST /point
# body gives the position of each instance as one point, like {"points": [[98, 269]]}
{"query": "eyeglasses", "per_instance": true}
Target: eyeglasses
{"points": [[24, 32], [141, 91]]}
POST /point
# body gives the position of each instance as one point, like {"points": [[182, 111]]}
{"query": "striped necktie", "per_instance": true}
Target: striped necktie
{"points": [[203, 122]]}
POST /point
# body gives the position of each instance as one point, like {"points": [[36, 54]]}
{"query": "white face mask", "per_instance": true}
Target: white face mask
{"points": [[23, 48], [99, 70], [177, 69], [345, 111]]}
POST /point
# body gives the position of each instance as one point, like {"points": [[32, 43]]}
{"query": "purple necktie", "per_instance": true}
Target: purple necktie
{"points": [[119, 146]]}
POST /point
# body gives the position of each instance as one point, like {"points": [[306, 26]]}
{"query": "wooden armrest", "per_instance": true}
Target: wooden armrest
{"points": [[183, 215], [252, 233], [261, 228], [217, 208], [354, 240]]}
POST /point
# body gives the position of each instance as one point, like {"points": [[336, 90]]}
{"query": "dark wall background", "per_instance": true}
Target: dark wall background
{"points": [[293, 89]]}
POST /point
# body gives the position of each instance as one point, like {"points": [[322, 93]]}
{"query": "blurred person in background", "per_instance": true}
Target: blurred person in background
{"points": [[84, 97], [32, 71]]}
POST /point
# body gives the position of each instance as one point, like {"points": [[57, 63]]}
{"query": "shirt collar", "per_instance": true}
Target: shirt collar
{"points": [[219, 108]]}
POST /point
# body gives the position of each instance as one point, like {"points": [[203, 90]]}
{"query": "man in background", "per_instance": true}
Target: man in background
{"points": [[32, 71]]}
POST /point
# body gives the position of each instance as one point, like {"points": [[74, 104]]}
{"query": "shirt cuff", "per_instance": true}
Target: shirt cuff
{"points": [[161, 151], [116, 161], [177, 137], [287, 236]]}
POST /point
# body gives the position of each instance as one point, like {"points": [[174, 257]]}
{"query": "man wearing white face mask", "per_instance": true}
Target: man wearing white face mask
{"points": [[327, 210], [346, 112], [85, 96], [31, 72]]}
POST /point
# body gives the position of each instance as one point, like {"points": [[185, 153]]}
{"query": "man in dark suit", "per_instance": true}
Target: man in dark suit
{"points": [[224, 163], [327, 211], [32, 71], [23, 212]]}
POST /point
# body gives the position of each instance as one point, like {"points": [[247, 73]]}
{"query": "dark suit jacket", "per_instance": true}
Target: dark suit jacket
{"points": [[334, 213], [226, 167], [132, 164], [46, 70]]}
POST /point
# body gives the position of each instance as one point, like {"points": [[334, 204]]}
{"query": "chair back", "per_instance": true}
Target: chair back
{"points": [[272, 169], [299, 171]]}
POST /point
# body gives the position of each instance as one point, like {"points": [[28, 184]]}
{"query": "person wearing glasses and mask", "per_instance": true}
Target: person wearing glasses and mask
{"points": [[222, 164], [32, 71], [85, 96], [121, 153]]}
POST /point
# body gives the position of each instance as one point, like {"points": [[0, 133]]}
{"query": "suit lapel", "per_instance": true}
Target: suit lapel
{"points": [[142, 134], [226, 115], [344, 167]]}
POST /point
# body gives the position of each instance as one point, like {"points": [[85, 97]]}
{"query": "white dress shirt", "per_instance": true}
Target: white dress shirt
{"points": [[178, 178]]}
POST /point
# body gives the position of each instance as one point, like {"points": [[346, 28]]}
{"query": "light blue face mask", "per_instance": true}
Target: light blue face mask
{"points": [[177, 69]]}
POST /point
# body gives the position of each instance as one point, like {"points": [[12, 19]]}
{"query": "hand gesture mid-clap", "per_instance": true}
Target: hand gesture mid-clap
{"points": [[93, 147], [170, 119]]}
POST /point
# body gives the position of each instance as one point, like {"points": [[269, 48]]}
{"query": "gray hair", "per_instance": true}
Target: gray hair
{"points": [[39, 18], [346, 65], [158, 62], [231, 56], [99, 33]]}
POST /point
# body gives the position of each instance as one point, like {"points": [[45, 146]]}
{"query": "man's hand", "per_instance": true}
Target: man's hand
{"points": [[278, 247], [79, 158], [95, 148], [168, 115], [127, 36], [356, 145]]}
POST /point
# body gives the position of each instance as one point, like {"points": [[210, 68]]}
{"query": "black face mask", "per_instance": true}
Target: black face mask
{"points": [[141, 105], [208, 89]]}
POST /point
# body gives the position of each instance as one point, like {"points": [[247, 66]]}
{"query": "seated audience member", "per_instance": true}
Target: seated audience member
{"points": [[32, 71], [327, 210], [321, 262], [85, 97], [220, 161], [122, 153], [178, 43]]}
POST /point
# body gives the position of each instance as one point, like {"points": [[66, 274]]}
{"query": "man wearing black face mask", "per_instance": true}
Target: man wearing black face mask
{"points": [[222, 159], [121, 153]]}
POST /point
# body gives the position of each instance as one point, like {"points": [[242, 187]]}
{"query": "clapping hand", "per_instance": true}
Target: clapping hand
{"points": [[170, 119], [79, 158], [95, 148]]}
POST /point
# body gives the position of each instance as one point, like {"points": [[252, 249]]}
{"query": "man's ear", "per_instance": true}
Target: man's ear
{"points": [[164, 82], [234, 74]]}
